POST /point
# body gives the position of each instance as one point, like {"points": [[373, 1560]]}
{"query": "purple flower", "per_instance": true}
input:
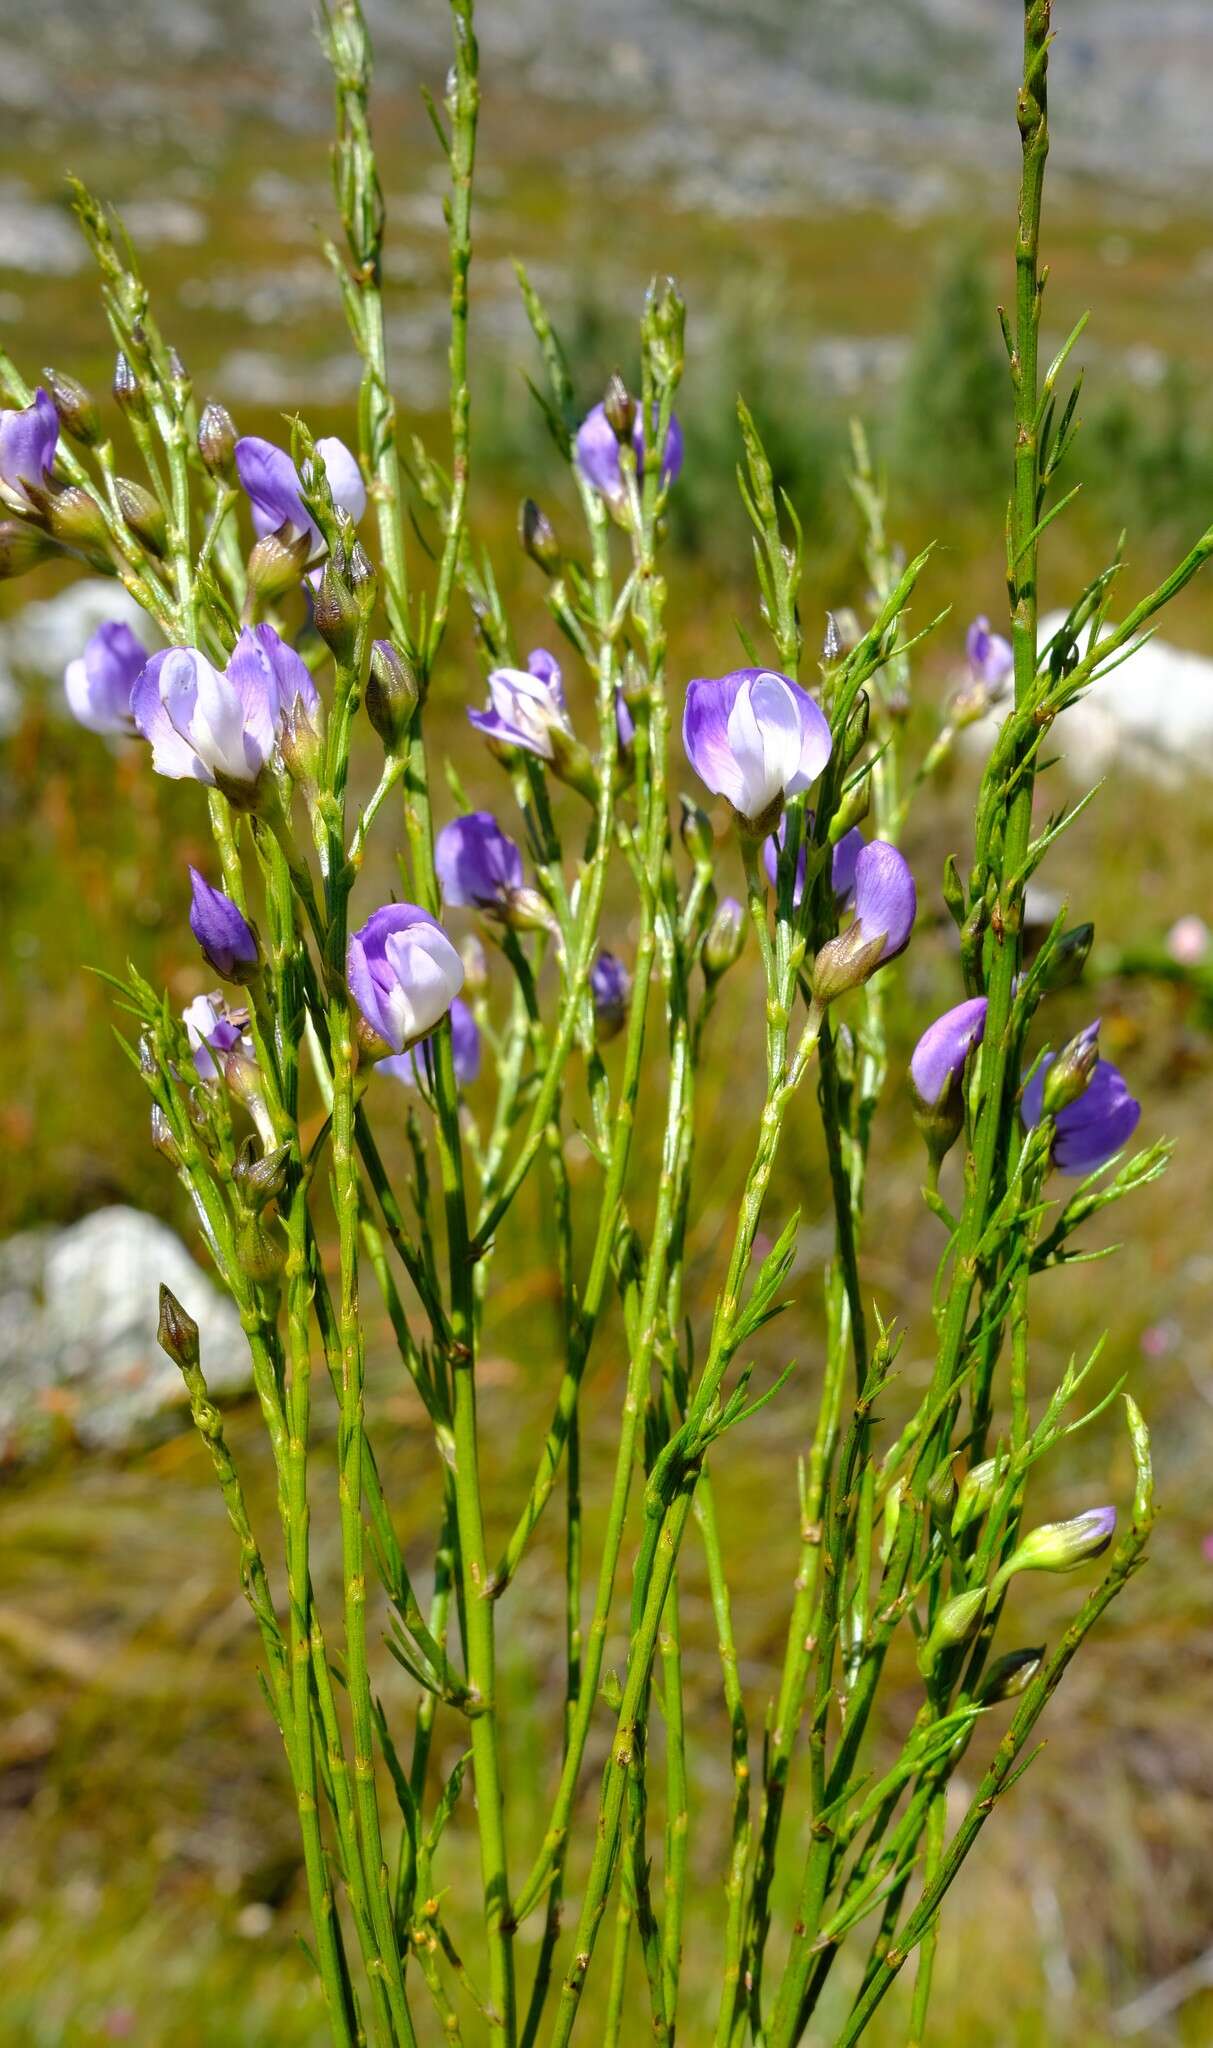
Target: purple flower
{"points": [[210, 1030], [610, 987], [886, 904], [625, 724], [1091, 1130], [842, 865], [219, 727], [404, 974], [412, 1067], [597, 451], [479, 866], [99, 682], [990, 659], [939, 1057], [274, 486], [526, 706], [228, 941], [754, 737], [28, 439]]}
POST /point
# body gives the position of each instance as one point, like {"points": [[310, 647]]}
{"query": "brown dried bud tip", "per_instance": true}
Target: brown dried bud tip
{"points": [[143, 514], [538, 538], [178, 1332], [217, 439], [391, 694], [76, 407], [277, 562], [619, 407], [128, 391], [76, 519], [22, 547]]}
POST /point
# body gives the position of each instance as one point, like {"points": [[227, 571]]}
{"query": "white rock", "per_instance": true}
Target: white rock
{"points": [[1152, 714], [78, 1314]]}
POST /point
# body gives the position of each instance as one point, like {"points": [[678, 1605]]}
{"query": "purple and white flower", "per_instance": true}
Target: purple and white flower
{"points": [[29, 436], [219, 727], [1090, 1131], [610, 987], [225, 936], [479, 867], [526, 706], [275, 487], [886, 904], [755, 738], [211, 1031], [939, 1057], [842, 863], [404, 974], [412, 1067], [597, 452], [98, 684]]}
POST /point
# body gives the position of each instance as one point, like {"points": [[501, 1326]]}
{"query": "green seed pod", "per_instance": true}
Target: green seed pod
{"points": [[335, 612], [22, 547], [1068, 958], [76, 519], [722, 948], [977, 1492], [261, 1177], [259, 1248], [391, 694], [363, 581], [957, 1620], [277, 562], [129, 394], [143, 514], [1009, 1676]]}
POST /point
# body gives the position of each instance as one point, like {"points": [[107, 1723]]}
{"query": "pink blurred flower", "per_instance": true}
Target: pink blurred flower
{"points": [[1188, 940]]}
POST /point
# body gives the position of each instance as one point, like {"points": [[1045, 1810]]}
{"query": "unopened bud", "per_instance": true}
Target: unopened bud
{"points": [[855, 737], [844, 963], [957, 1620], [475, 966], [1008, 1676], [1068, 958], [525, 910], [538, 537], [831, 644], [853, 808], [334, 613], [143, 514], [941, 1492], [572, 762], [259, 1248], [177, 1334], [1061, 1546], [277, 562], [300, 745], [363, 581], [76, 407], [22, 547], [129, 394], [162, 1136], [179, 379], [217, 440], [695, 829], [1070, 1073], [663, 327], [619, 407], [725, 939], [977, 1492], [391, 694], [76, 519]]}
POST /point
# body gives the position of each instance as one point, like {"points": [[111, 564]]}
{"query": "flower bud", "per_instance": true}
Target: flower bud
{"points": [[129, 394], [259, 1248], [538, 537], [225, 936], [1008, 1676], [22, 547], [76, 407], [725, 939], [177, 1334], [619, 407], [217, 440], [76, 519], [180, 381], [1061, 1546], [663, 326], [300, 744], [1068, 958], [142, 513], [163, 1140], [855, 737], [610, 987], [363, 581], [277, 562], [853, 808], [261, 1178], [391, 694], [941, 1492], [831, 641], [572, 762], [957, 1620], [977, 1492], [475, 965], [1070, 1073], [335, 613], [695, 830]]}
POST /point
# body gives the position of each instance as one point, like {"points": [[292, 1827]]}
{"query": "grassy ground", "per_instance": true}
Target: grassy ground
{"points": [[149, 1878]]}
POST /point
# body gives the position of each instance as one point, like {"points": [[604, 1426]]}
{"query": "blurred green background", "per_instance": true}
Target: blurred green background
{"points": [[834, 188]]}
